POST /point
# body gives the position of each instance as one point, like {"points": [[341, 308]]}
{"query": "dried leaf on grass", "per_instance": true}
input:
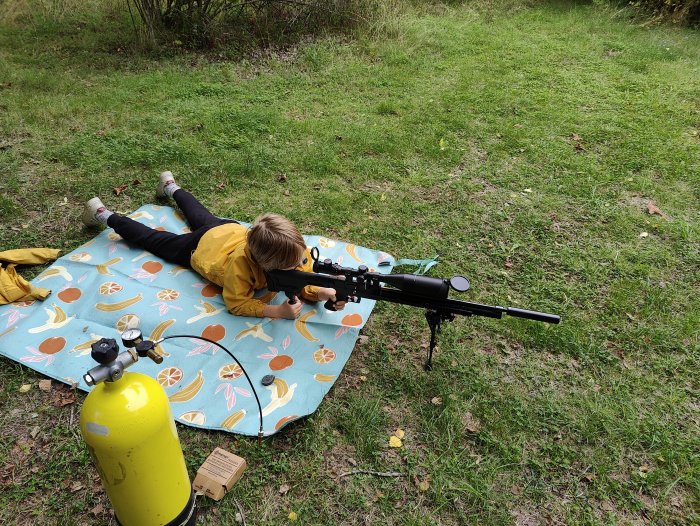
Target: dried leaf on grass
{"points": [[63, 398], [120, 189], [652, 209], [471, 423]]}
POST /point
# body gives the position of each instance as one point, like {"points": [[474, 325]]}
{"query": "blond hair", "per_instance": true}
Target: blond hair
{"points": [[275, 243]]}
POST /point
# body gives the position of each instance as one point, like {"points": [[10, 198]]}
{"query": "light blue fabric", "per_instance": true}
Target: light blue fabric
{"points": [[106, 282]]}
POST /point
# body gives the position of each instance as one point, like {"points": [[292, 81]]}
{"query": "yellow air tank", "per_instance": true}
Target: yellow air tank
{"points": [[129, 430]]}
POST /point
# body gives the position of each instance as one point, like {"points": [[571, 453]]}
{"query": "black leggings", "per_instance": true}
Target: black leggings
{"points": [[176, 248]]}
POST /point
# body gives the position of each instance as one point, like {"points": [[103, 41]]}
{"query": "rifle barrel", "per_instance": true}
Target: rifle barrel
{"points": [[533, 315]]}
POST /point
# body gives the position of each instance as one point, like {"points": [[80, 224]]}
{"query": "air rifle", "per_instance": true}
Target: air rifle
{"points": [[352, 285]]}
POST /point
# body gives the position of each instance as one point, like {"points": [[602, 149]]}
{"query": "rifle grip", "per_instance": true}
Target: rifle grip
{"points": [[330, 305], [292, 298]]}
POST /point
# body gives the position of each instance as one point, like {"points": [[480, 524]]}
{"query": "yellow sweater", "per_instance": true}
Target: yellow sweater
{"points": [[222, 256], [14, 287]]}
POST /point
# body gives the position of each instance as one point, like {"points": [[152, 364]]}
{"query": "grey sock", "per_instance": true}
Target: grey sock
{"points": [[102, 215], [170, 188]]}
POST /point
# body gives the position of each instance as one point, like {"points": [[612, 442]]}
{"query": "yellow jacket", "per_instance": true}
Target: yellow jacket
{"points": [[14, 287], [222, 256]]}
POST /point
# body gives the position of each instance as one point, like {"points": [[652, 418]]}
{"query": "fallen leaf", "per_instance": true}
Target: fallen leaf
{"points": [[399, 433], [45, 385], [653, 209], [528, 190], [120, 189], [436, 400], [284, 489], [362, 339], [135, 182], [76, 486], [25, 387], [471, 423], [443, 144], [292, 516], [97, 510], [644, 234], [63, 398], [221, 185], [424, 485], [394, 441], [281, 178], [286, 192], [575, 137]]}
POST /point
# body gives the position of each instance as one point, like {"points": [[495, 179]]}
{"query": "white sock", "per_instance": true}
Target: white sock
{"points": [[103, 214]]}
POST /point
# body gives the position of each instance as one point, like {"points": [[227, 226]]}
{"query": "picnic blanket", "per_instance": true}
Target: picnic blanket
{"points": [[107, 286]]}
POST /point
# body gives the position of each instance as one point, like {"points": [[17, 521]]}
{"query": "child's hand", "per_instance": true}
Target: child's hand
{"points": [[329, 294], [290, 311]]}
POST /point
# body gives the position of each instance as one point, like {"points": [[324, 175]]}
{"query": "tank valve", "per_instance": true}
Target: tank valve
{"points": [[112, 362]]}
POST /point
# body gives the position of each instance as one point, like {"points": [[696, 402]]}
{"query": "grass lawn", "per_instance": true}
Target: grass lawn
{"points": [[525, 145]]}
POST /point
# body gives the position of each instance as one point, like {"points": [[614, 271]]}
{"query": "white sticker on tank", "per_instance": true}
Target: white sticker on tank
{"points": [[97, 429]]}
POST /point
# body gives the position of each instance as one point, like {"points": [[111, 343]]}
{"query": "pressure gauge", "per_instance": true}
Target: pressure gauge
{"points": [[131, 337]]}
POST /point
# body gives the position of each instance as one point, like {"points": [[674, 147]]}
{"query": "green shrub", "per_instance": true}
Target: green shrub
{"points": [[266, 22]]}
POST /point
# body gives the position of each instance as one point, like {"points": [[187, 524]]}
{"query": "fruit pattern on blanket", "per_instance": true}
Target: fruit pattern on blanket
{"points": [[106, 286]]}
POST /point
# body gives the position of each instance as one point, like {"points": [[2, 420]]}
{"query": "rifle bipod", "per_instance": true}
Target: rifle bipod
{"points": [[435, 320]]}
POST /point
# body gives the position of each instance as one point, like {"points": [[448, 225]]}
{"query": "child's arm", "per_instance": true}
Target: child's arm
{"points": [[312, 293], [239, 287]]}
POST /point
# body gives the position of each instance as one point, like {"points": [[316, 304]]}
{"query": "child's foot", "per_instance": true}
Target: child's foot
{"points": [[95, 212], [167, 185]]}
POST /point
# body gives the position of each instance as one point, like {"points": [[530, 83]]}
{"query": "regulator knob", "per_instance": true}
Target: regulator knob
{"points": [[104, 351]]}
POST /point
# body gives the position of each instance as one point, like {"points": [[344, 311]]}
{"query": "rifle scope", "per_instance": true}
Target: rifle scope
{"points": [[437, 288]]}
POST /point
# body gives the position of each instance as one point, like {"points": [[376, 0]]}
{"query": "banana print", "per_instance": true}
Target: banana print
{"points": [[86, 348], [103, 269], [233, 419], [302, 328], [8, 331], [156, 335], [56, 270], [281, 395], [324, 377], [138, 215], [112, 307], [350, 249], [56, 319], [206, 309], [256, 331], [190, 390]]}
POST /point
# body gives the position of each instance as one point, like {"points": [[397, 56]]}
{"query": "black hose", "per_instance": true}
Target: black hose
{"points": [[260, 432]]}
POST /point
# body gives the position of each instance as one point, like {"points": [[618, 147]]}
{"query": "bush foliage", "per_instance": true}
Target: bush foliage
{"points": [[678, 11], [267, 22]]}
